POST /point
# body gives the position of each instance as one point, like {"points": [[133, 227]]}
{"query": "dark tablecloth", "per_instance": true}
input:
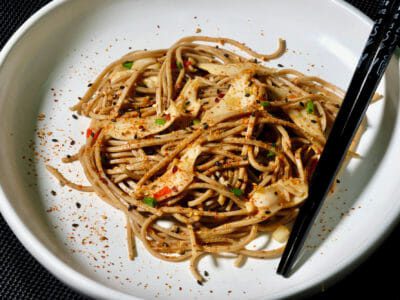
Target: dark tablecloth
{"points": [[21, 277]]}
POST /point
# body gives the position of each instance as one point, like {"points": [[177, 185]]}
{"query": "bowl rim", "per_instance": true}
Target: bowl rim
{"points": [[90, 287]]}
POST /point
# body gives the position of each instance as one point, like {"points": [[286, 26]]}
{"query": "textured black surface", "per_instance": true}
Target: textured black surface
{"points": [[21, 277]]}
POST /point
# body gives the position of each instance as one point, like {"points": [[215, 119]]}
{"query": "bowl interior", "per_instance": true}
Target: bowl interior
{"points": [[53, 61]]}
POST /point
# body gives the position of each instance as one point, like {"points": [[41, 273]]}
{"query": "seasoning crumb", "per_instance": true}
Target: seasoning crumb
{"points": [[41, 117], [206, 273], [337, 181], [53, 193], [199, 282], [198, 30]]}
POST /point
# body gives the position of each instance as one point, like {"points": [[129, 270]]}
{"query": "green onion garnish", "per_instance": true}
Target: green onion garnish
{"points": [[128, 64], [265, 103], [179, 65], [237, 192], [160, 121], [196, 121], [150, 201], [270, 154], [310, 107]]}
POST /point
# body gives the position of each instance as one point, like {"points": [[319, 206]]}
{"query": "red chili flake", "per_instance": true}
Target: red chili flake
{"points": [[167, 117], [313, 165], [141, 127], [163, 192], [88, 133], [221, 95], [174, 169], [175, 189], [96, 135], [217, 100], [187, 63]]}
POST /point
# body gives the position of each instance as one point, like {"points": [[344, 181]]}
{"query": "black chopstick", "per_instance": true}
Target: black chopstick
{"points": [[376, 56]]}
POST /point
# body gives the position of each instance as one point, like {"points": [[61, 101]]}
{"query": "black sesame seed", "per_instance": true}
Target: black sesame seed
{"points": [[206, 273], [75, 225], [54, 140], [313, 121], [199, 282], [280, 65], [75, 116], [53, 193], [90, 84], [78, 205]]}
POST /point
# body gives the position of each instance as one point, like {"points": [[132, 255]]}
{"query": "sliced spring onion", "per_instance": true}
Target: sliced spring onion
{"points": [[150, 201], [128, 64], [270, 154], [265, 103], [179, 65], [310, 107], [237, 192], [160, 121]]}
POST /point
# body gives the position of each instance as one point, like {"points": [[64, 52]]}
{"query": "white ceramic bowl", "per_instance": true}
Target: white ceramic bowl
{"points": [[47, 64]]}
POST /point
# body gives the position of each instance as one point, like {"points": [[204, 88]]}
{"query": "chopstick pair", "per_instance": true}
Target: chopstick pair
{"points": [[384, 37]]}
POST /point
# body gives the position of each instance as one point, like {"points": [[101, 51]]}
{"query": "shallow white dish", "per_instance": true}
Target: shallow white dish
{"points": [[48, 63]]}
